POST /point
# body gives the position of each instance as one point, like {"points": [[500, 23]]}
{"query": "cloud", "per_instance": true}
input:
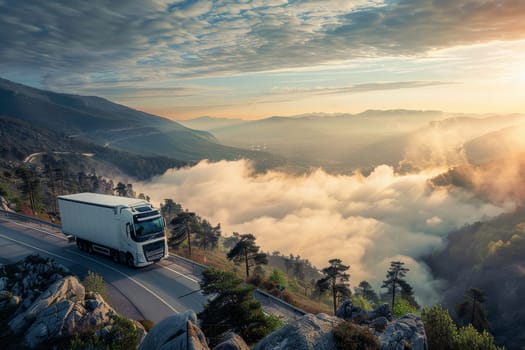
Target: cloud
{"points": [[366, 221], [178, 39], [376, 86]]}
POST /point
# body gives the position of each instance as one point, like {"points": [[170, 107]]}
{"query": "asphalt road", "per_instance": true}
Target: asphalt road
{"points": [[153, 292]]}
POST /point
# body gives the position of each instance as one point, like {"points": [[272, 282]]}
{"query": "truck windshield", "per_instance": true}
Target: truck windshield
{"points": [[148, 227]]}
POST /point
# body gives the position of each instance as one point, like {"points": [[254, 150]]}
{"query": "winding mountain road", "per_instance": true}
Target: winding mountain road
{"points": [[153, 292]]}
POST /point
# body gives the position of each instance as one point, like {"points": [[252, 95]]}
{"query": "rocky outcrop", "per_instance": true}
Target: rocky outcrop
{"points": [[46, 303], [315, 332], [407, 330], [232, 341], [178, 331], [394, 334], [308, 332], [60, 296], [349, 312]]}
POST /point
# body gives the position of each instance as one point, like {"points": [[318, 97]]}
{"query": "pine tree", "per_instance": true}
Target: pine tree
{"points": [[394, 278], [472, 310], [335, 280], [365, 290], [184, 224], [247, 252], [232, 309]]}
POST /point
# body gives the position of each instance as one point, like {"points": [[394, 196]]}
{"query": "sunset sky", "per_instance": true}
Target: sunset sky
{"points": [[258, 58]]}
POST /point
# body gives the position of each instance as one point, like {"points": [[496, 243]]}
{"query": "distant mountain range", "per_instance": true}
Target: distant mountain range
{"points": [[407, 140], [105, 123], [343, 142]]}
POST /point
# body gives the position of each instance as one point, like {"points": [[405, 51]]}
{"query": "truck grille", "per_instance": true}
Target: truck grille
{"points": [[154, 251]]}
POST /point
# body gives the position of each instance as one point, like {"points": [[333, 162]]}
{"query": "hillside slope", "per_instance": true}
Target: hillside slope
{"points": [[106, 123], [20, 140]]}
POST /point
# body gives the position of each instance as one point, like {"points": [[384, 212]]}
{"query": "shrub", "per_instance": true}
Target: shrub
{"points": [[439, 328], [361, 302], [95, 283], [469, 338], [349, 336], [443, 334], [278, 277], [122, 336], [403, 307]]}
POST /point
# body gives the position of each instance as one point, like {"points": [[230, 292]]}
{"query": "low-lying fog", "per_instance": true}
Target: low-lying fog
{"points": [[367, 221]]}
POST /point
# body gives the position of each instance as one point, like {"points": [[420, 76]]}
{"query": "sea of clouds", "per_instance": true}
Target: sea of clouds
{"points": [[367, 221]]}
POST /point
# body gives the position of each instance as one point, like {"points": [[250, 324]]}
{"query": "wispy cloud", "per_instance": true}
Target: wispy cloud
{"points": [[178, 39], [357, 88]]}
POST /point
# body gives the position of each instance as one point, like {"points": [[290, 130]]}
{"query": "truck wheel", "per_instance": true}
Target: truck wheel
{"points": [[115, 256], [129, 260]]}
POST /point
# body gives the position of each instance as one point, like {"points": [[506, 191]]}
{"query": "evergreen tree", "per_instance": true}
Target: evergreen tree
{"points": [[184, 224], [169, 209], [336, 280], [232, 309], [407, 293], [30, 187], [208, 237], [365, 290], [394, 278], [247, 252], [472, 310]]}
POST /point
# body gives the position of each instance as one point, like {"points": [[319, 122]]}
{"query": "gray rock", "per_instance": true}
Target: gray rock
{"points": [[92, 304], [381, 311], [178, 331], [3, 283], [48, 323], [5, 294], [306, 333], [344, 310], [68, 288], [232, 341], [379, 324], [408, 329]]}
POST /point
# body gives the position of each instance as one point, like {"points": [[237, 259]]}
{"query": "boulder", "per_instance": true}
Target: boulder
{"points": [[407, 330], [381, 311], [306, 333], [48, 323], [232, 341], [68, 288], [349, 312], [379, 324], [178, 331], [3, 283]]}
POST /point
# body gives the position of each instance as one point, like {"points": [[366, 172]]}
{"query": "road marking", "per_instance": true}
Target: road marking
{"points": [[178, 273], [36, 248], [95, 261], [36, 229], [64, 238], [140, 284]]}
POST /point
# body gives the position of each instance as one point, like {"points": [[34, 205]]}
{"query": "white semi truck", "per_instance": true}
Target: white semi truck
{"points": [[128, 230]]}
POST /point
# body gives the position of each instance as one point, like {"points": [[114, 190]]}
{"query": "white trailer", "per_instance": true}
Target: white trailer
{"points": [[127, 229]]}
